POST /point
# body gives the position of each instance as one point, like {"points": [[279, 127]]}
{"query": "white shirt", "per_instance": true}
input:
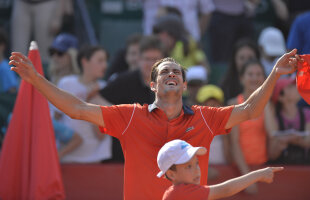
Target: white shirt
{"points": [[92, 149], [216, 154]]}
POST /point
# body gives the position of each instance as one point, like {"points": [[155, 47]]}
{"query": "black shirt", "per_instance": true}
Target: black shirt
{"points": [[127, 88]]}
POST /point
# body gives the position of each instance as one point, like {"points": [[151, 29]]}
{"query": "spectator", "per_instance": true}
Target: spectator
{"points": [[243, 51], [213, 96], [63, 53], [288, 126], [178, 44], [133, 86], [95, 147], [9, 84], [126, 58], [37, 18], [272, 13], [150, 11], [272, 46], [231, 21], [248, 140], [196, 14], [196, 77], [299, 34], [8, 80]]}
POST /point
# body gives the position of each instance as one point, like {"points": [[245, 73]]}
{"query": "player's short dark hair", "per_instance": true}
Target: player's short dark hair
{"points": [[154, 72]]}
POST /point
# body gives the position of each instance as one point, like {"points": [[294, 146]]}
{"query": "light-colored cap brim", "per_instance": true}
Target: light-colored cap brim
{"points": [[160, 174], [190, 153]]}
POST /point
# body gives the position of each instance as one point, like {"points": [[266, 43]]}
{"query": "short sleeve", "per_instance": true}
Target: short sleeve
{"points": [[187, 191], [216, 118], [117, 119]]}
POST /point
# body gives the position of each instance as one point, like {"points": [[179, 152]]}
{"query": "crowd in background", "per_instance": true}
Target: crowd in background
{"points": [[244, 39]]}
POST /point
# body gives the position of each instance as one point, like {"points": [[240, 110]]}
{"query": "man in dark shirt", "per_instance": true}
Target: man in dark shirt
{"points": [[133, 86]]}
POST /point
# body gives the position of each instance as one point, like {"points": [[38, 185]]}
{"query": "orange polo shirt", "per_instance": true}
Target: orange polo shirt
{"points": [[143, 130]]}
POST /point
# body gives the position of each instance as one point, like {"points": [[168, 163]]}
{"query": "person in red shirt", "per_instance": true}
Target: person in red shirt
{"points": [[144, 129], [178, 161]]}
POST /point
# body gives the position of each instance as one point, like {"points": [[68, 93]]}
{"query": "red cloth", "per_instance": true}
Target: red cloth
{"points": [[303, 78], [187, 191], [29, 166]]}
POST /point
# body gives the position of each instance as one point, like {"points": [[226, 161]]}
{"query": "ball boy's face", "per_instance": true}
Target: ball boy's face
{"points": [[187, 173]]}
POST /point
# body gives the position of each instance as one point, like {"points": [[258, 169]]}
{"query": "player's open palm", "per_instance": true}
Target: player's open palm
{"points": [[287, 64], [268, 173], [23, 66]]}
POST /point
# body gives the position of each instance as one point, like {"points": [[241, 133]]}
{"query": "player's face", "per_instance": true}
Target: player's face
{"points": [[169, 79], [188, 173]]}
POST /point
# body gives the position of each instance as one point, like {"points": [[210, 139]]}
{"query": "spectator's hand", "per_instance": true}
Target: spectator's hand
{"points": [[268, 173], [287, 64], [23, 66]]}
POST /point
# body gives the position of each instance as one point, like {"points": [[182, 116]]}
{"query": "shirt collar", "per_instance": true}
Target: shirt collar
{"points": [[187, 110]]}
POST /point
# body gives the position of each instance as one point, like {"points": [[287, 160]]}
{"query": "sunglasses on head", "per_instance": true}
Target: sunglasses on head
{"points": [[55, 52]]}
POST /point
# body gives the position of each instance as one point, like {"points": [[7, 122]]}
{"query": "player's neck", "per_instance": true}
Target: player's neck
{"points": [[171, 108]]}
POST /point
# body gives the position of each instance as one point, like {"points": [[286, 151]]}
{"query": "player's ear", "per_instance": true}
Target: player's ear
{"points": [[153, 86], [185, 85]]}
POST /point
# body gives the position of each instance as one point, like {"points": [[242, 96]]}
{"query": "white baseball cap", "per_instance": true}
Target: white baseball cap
{"points": [[197, 72], [272, 41], [176, 152]]}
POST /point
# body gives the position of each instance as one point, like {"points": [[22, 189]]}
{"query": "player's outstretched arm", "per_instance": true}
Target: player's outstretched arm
{"points": [[255, 104], [64, 101], [233, 186]]}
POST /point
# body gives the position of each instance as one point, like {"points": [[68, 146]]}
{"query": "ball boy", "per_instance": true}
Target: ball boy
{"points": [[178, 161]]}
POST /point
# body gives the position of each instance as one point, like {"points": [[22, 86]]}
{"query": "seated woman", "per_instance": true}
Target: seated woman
{"points": [[288, 126], [248, 140]]}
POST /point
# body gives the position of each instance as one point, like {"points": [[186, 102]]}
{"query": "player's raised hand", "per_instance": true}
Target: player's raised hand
{"points": [[268, 173], [23, 66], [287, 63]]}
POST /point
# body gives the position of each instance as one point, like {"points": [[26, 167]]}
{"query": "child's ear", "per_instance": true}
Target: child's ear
{"points": [[153, 86], [170, 174]]}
